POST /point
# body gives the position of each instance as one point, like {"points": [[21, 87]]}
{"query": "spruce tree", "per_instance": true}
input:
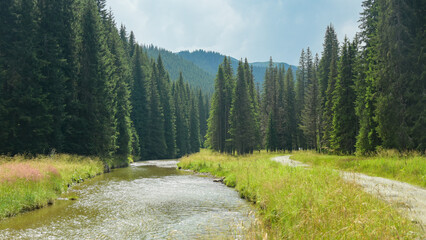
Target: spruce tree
{"points": [[327, 110], [139, 100], [400, 111], [194, 126], [156, 146], [163, 85], [290, 112], [310, 113], [344, 118], [242, 116], [180, 97], [301, 80], [202, 111], [365, 86]]}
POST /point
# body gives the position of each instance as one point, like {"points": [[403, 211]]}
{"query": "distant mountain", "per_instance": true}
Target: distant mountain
{"points": [[174, 64], [210, 61]]}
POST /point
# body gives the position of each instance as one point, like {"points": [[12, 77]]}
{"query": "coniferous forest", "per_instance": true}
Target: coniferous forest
{"points": [[359, 96], [71, 82]]}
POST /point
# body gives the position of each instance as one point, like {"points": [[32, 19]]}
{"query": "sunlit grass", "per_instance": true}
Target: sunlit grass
{"points": [[27, 184], [406, 167], [300, 203]]}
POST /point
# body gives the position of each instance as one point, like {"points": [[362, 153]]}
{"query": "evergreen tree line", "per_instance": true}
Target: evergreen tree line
{"points": [[71, 82], [233, 125], [361, 95], [367, 93]]}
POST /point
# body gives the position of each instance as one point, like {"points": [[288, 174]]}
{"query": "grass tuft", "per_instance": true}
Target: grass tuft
{"points": [[407, 167], [27, 184], [300, 203]]}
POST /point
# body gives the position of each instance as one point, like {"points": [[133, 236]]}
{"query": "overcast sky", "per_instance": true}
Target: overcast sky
{"points": [[256, 29]]}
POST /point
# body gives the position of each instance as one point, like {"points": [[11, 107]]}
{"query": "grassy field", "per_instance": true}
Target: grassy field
{"points": [[409, 167], [300, 203], [27, 184]]}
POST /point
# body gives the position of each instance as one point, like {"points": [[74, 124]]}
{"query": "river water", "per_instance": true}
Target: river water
{"points": [[148, 200]]}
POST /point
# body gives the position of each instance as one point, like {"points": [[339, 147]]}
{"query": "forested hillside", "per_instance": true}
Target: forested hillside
{"points": [[210, 61], [197, 77], [363, 94], [71, 82]]}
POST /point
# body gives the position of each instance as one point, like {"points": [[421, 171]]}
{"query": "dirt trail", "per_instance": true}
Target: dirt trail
{"points": [[410, 199]]}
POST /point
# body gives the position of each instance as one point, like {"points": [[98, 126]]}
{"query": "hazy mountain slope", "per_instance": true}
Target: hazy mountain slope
{"points": [[193, 74], [209, 61]]}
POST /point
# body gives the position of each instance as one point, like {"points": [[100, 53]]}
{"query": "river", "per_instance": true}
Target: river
{"points": [[148, 200]]}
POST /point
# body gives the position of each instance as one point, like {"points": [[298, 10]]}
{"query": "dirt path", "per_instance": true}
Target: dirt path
{"points": [[410, 199]]}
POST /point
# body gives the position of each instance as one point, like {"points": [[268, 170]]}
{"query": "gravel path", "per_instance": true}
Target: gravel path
{"points": [[411, 199]]}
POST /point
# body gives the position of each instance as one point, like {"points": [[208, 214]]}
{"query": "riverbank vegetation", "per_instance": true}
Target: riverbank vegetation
{"points": [[409, 167], [298, 203], [30, 183]]}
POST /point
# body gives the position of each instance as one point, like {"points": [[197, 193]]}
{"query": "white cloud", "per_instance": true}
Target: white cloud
{"points": [[240, 28]]}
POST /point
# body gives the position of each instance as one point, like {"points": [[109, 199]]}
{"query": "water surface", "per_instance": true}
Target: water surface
{"points": [[148, 200]]}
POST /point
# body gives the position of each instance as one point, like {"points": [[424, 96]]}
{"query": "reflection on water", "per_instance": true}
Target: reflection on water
{"points": [[149, 200]]}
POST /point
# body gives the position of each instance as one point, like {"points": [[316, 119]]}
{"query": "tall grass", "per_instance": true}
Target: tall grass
{"points": [[26, 184], [300, 203], [406, 167]]}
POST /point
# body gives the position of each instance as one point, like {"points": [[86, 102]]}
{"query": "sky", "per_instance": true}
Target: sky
{"points": [[256, 29]]}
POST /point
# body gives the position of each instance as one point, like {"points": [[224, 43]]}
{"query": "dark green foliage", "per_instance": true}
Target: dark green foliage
{"points": [[400, 109], [367, 139], [310, 115], [139, 99], [194, 127], [242, 117], [163, 85], [70, 81], [202, 111], [301, 80], [290, 124], [24, 106], [156, 145], [344, 118], [216, 133], [181, 100]]}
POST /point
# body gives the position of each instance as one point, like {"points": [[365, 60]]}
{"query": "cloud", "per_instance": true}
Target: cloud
{"points": [[240, 28]]}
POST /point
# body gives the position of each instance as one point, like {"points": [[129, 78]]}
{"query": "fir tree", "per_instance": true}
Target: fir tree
{"points": [[156, 146], [163, 85], [194, 127], [366, 66], [344, 118], [242, 116], [139, 100], [310, 112]]}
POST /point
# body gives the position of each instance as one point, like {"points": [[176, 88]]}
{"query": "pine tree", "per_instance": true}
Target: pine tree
{"points": [[281, 109], [139, 100], [301, 80], [290, 113], [26, 123], [366, 66], [156, 146], [400, 111], [218, 134], [242, 116], [202, 111], [163, 85], [310, 113], [180, 97], [327, 110], [344, 118], [194, 127]]}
